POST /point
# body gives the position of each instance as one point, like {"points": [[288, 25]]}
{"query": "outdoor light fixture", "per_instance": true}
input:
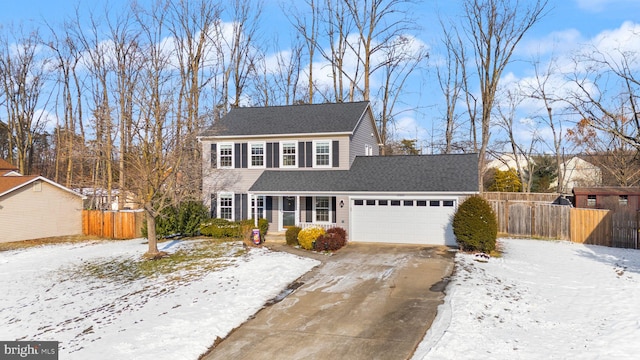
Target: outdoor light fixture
{"points": [[341, 203]]}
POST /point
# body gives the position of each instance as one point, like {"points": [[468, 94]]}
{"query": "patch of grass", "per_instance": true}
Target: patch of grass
{"points": [[15, 245], [191, 261]]}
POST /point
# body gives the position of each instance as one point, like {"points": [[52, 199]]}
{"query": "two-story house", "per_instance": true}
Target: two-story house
{"points": [[318, 164]]}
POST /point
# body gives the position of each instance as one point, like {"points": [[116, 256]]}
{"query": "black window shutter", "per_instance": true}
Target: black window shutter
{"points": [[245, 207], [309, 145], [276, 155], [214, 206], [301, 154], [236, 155], [244, 155], [333, 209], [269, 205], [214, 156], [237, 207], [336, 154], [269, 155], [309, 209]]}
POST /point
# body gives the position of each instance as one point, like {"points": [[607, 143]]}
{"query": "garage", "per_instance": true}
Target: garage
{"points": [[403, 220]]}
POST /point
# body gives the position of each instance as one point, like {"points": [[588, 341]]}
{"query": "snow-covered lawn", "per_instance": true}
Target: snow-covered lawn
{"points": [[542, 299], [173, 316]]}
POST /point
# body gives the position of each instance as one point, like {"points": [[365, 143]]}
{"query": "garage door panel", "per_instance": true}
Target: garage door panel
{"points": [[402, 224]]}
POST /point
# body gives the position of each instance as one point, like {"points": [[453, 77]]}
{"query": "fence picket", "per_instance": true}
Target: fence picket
{"points": [[112, 224]]}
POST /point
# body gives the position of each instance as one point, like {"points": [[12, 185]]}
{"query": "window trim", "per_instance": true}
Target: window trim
{"points": [[315, 153], [219, 204], [295, 153], [219, 155], [328, 208], [254, 204], [250, 155]]}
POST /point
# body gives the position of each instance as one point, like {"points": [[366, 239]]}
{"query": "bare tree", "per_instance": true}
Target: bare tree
{"points": [[307, 27], [494, 28], [23, 70], [160, 176], [522, 153], [607, 94], [539, 89], [450, 80]]}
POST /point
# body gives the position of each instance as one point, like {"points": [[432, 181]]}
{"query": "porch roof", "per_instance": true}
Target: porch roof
{"points": [[411, 173]]}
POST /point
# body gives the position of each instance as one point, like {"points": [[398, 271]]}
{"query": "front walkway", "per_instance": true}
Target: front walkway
{"points": [[367, 301]]}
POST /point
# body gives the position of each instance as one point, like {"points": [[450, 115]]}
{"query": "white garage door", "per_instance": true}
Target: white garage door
{"points": [[406, 221]]}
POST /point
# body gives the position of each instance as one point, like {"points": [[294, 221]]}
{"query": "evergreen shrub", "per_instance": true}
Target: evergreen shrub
{"points": [[221, 228], [292, 235], [475, 225]]}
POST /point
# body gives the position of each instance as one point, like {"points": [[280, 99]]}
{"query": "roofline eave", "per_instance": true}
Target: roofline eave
{"points": [[262, 136]]}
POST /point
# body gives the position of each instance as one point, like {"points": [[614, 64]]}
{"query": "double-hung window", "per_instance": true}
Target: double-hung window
{"points": [[226, 206], [323, 207], [289, 157], [225, 156], [257, 207], [256, 159], [322, 153]]}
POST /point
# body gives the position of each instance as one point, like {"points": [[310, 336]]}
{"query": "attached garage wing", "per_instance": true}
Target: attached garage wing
{"points": [[403, 220]]}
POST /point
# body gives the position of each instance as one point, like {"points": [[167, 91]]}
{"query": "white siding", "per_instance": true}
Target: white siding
{"points": [[29, 214]]}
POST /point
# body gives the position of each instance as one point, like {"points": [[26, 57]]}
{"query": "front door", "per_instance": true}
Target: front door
{"points": [[288, 211]]}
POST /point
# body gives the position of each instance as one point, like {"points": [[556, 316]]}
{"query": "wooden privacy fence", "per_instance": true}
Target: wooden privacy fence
{"points": [[605, 227], [588, 226], [532, 219], [112, 224]]}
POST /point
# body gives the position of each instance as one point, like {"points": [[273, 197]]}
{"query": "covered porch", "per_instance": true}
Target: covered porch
{"points": [[302, 210]]}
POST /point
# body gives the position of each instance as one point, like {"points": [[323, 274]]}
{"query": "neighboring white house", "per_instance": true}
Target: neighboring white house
{"points": [[98, 199], [508, 161], [579, 173], [34, 207]]}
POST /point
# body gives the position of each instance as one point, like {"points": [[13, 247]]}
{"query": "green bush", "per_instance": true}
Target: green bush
{"points": [[475, 225], [334, 239], [190, 215], [306, 237], [184, 220], [263, 225], [292, 235], [221, 228]]}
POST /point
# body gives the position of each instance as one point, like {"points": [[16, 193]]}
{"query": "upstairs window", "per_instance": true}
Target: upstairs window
{"points": [[289, 156], [322, 154], [591, 200], [368, 150], [225, 156], [257, 155]]}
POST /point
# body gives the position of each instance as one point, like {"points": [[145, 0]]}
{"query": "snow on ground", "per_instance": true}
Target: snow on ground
{"points": [[151, 318], [542, 299]]}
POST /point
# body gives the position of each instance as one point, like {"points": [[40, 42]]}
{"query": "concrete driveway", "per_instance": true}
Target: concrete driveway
{"points": [[367, 301]]}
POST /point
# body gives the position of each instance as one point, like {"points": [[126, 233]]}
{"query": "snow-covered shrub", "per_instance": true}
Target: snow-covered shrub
{"points": [[307, 236], [475, 225]]}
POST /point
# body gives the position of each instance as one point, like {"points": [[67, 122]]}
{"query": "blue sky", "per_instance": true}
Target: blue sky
{"points": [[570, 25]]}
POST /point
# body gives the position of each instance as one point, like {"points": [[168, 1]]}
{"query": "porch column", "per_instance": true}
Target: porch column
{"points": [[297, 210]]}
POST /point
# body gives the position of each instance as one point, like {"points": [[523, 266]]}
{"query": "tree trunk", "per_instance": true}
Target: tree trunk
{"points": [[153, 251]]}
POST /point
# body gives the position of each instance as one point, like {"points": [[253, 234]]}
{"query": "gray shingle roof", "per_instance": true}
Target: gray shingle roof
{"points": [[296, 119], [414, 173]]}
